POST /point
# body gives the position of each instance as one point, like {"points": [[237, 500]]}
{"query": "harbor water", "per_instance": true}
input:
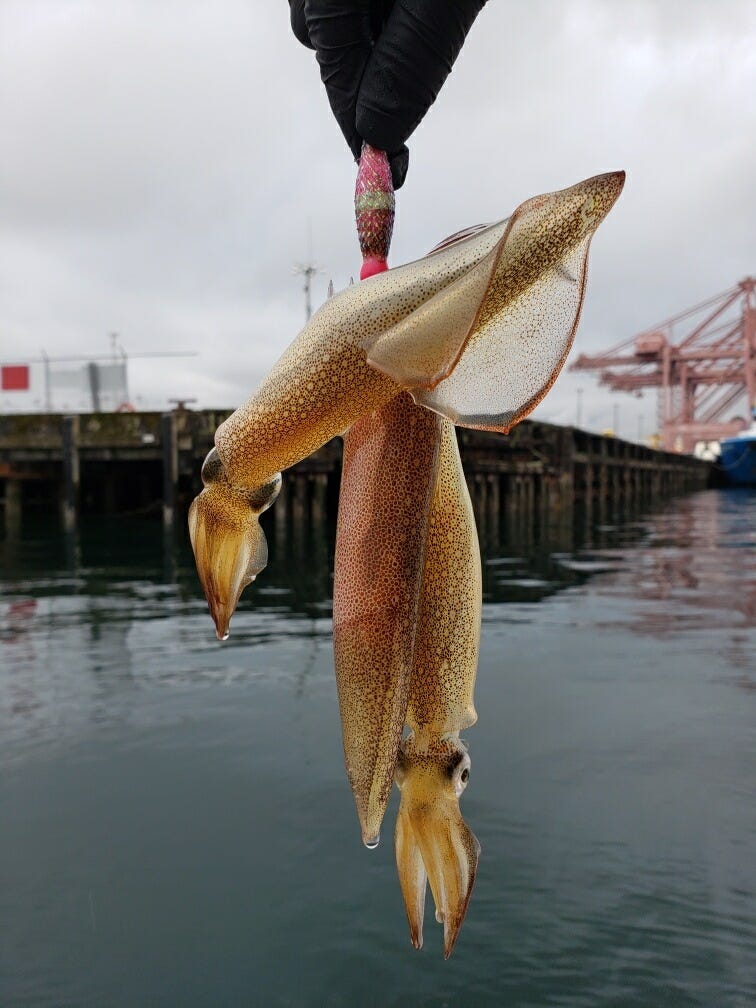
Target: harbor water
{"points": [[176, 827]]}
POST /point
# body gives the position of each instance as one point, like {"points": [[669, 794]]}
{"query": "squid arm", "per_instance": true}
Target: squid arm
{"points": [[475, 331], [432, 841]]}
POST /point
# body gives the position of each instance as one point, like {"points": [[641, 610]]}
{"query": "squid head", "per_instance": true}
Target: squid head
{"points": [[432, 841], [229, 545]]}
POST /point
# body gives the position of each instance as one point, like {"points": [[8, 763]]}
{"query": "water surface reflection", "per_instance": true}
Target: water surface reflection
{"points": [[175, 826]]}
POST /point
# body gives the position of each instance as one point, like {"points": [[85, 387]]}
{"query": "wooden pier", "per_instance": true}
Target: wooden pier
{"points": [[115, 463]]}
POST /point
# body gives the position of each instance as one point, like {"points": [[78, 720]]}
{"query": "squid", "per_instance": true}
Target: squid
{"points": [[476, 331], [432, 840], [474, 334], [406, 626], [389, 471]]}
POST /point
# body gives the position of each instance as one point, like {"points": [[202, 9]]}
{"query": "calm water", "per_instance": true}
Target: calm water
{"points": [[176, 827]]}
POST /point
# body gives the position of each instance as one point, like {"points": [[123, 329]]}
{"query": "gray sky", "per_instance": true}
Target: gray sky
{"points": [[161, 161]]}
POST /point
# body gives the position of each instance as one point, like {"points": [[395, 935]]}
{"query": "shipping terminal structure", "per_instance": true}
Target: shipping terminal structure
{"points": [[702, 362]]}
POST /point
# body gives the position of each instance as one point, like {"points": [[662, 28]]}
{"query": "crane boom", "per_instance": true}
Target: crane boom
{"points": [[700, 372]]}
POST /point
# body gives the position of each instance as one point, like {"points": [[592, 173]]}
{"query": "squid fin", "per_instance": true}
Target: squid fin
{"points": [[484, 350], [422, 349]]}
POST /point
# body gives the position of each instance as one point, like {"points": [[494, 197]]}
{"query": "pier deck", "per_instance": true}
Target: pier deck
{"points": [[120, 462]]}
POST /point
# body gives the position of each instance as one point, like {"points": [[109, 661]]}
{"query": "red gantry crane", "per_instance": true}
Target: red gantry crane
{"points": [[702, 362]]}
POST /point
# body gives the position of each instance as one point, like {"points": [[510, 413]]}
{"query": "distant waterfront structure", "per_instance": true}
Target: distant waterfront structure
{"points": [[113, 463], [702, 361], [74, 383]]}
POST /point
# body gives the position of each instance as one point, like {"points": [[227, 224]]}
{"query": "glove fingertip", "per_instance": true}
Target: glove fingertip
{"points": [[399, 162]]}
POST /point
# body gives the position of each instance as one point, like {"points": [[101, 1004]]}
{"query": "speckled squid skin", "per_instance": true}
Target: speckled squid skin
{"points": [[432, 840], [448, 632], [476, 331], [388, 478]]}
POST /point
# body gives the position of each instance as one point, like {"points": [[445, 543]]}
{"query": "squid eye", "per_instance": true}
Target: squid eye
{"points": [[261, 498], [462, 775], [212, 468]]}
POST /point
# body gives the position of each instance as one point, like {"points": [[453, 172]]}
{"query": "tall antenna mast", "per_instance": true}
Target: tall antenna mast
{"points": [[308, 270]]}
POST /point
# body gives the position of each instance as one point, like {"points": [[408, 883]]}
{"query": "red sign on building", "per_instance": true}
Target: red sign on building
{"points": [[14, 378]]}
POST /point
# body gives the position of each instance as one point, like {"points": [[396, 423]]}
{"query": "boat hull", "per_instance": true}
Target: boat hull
{"points": [[738, 460]]}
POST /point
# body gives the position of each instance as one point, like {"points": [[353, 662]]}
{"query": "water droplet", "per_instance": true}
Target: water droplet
{"points": [[225, 635], [372, 842]]}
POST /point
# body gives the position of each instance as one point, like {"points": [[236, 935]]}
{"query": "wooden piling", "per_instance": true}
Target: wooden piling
{"points": [[110, 493], [299, 499], [280, 510], [71, 472], [318, 500], [494, 503], [169, 445], [13, 495]]}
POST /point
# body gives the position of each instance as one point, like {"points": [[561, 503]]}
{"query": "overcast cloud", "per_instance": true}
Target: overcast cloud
{"points": [[161, 161]]}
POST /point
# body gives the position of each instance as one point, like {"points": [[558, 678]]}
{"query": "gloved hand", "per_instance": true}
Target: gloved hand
{"points": [[383, 63]]}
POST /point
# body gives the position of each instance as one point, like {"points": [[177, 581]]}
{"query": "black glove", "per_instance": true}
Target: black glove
{"points": [[383, 63]]}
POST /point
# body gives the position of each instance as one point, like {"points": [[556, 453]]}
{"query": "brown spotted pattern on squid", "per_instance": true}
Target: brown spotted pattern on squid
{"points": [[388, 477], [448, 632]]}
